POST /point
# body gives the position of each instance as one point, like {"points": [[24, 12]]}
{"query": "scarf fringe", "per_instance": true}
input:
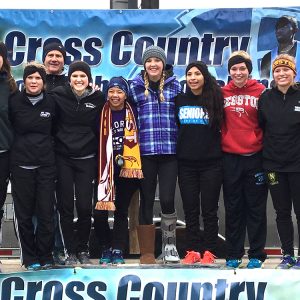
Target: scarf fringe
{"points": [[131, 173], [105, 205]]}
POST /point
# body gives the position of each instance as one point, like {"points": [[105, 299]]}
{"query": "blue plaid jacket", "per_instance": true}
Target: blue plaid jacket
{"points": [[156, 119]]}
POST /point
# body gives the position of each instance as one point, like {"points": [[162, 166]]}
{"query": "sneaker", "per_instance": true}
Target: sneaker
{"points": [[191, 257], [117, 257], [84, 258], [59, 257], [287, 262], [233, 263], [106, 257], [48, 265], [71, 260], [33, 267], [254, 263], [208, 258], [297, 264]]}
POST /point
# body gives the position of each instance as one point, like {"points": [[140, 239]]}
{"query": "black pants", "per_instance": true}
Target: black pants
{"points": [[75, 176], [124, 190], [163, 167], [285, 193], [4, 178], [205, 179], [33, 195], [245, 198]]}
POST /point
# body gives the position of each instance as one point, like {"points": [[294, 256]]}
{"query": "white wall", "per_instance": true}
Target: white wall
{"points": [[164, 4]]}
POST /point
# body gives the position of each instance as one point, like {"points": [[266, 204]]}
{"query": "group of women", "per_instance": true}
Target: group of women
{"points": [[70, 142]]}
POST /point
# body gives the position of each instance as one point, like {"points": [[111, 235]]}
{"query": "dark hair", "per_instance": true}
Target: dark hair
{"points": [[7, 69], [211, 95]]}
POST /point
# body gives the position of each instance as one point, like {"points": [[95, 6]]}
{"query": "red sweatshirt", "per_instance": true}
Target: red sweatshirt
{"points": [[241, 133]]}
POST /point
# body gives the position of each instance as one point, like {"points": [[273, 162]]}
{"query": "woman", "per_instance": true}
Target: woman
{"points": [[7, 87], [78, 108], [199, 112], [279, 116], [154, 91], [33, 168], [244, 188], [118, 142]]}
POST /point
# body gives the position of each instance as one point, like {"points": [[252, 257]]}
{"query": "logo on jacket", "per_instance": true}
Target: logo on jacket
{"points": [[89, 105], [45, 114], [272, 178]]}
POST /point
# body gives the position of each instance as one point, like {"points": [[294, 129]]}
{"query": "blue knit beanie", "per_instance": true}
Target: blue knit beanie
{"points": [[119, 82]]}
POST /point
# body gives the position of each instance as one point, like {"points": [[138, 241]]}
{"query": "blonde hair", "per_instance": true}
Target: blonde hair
{"points": [[161, 86], [242, 53]]}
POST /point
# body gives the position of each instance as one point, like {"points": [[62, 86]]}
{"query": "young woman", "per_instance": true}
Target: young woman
{"points": [[154, 91], [7, 87], [199, 112], [244, 188], [119, 143], [279, 116], [78, 109], [33, 168]]}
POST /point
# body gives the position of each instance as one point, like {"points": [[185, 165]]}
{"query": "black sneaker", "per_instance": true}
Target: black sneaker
{"points": [[71, 260], [83, 258], [59, 257]]}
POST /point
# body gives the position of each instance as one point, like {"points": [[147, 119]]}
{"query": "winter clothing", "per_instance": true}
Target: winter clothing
{"points": [[119, 82], [238, 59], [80, 66], [53, 81], [154, 51], [54, 46], [146, 236], [244, 186], [30, 69], [241, 133], [284, 62]]}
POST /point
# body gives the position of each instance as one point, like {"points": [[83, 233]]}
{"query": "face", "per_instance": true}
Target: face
{"points": [[283, 77], [34, 84], [1, 62], [154, 68], [79, 82], [116, 98], [239, 74], [54, 62], [195, 80], [285, 33]]}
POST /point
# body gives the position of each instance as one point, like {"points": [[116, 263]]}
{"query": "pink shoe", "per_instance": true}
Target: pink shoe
{"points": [[208, 258], [191, 257]]}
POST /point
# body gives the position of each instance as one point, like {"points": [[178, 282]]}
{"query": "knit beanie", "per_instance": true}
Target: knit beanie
{"points": [[3, 50], [54, 46], [119, 82], [32, 68], [154, 51], [283, 62], [80, 66], [237, 59], [201, 66]]}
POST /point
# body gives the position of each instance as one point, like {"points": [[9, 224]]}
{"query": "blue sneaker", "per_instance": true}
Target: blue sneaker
{"points": [[106, 257], [287, 262], [297, 264], [254, 263], [34, 267], [233, 263], [117, 257]]}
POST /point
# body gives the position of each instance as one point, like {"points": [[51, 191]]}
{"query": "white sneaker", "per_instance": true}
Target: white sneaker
{"points": [[170, 254]]}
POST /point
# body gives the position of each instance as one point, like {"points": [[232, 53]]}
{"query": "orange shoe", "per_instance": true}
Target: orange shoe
{"points": [[208, 258], [191, 257]]}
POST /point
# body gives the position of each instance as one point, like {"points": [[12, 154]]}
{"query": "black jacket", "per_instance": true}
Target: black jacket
{"points": [[279, 117], [33, 142], [76, 122], [6, 131], [53, 81], [197, 140]]}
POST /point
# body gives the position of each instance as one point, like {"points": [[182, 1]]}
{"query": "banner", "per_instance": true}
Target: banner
{"points": [[112, 41], [121, 283]]}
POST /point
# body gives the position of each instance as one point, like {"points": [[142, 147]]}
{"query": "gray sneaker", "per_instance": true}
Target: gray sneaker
{"points": [[71, 260], [59, 257], [83, 258]]}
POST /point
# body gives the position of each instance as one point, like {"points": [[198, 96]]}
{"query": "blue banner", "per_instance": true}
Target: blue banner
{"points": [[112, 41]]}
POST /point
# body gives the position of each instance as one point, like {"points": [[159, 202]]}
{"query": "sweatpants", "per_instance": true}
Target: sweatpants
{"points": [[33, 195], [200, 185], [75, 177], [164, 169], [124, 190], [285, 192], [4, 178], [245, 197]]}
